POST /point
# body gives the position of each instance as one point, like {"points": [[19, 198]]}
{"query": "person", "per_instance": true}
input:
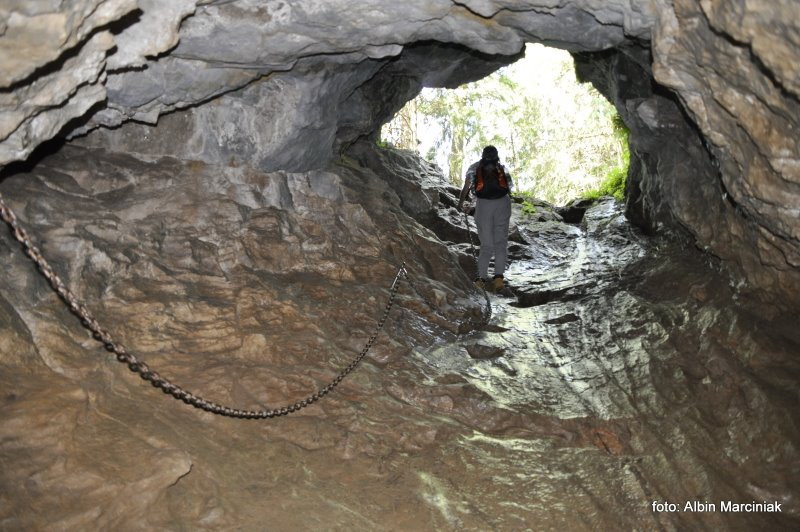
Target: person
{"points": [[491, 183]]}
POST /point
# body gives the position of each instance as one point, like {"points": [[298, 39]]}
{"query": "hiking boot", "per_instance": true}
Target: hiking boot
{"points": [[496, 284], [480, 284]]}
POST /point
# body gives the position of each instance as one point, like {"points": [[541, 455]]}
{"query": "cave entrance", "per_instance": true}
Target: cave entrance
{"points": [[560, 138]]}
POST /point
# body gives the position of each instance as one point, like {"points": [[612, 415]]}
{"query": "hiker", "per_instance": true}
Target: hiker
{"points": [[492, 186]]}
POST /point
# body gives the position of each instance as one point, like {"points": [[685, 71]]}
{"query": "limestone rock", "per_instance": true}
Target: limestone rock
{"points": [[729, 64], [573, 212], [677, 182], [295, 120], [54, 61], [285, 122], [155, 32], [289, 93], [255, 288], [26, 116], [244, 246], [224, 46], [66, 25]]}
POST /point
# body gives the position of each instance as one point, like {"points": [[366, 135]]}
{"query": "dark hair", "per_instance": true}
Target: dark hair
{"points": [[489, 160], [490, 154]]}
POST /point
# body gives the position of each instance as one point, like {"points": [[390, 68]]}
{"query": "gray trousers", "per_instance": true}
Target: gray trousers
{"points": [[492, 217]]}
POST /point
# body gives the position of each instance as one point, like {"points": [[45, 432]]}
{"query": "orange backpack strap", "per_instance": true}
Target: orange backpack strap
{"points": [[501, 176]]}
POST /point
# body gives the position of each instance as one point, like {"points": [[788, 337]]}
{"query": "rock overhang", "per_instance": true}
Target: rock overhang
{"points": [[714, 153], [180, 54]]}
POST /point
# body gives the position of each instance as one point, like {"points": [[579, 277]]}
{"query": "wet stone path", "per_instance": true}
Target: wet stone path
{"points": [[602, 394]]}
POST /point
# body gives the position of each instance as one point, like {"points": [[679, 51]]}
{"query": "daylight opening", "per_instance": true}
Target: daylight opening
{"points": [[559, 138]]}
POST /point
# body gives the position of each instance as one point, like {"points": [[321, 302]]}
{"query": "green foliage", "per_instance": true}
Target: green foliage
{"points": [[557, 137], [528, 208], [431, 155], [613, 184], [527, 203], [460, 116]]}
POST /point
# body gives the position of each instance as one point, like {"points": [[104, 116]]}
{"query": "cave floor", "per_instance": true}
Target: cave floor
{"points": [[616, 371], [620, 375]]}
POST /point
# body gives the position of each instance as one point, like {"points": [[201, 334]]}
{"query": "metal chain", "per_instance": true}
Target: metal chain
{"points": [[472, 246], [168, 387], [143, 370]]}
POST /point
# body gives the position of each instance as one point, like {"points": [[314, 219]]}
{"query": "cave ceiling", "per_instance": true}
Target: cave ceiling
{"points": [[259, 80]]}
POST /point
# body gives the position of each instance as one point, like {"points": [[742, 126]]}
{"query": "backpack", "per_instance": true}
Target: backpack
{"points": [[490, 183]]}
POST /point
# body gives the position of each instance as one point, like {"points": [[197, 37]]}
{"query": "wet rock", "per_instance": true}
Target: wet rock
{"points": [[706, 164], [566, 318], [573, 212], [216, 278], [527, 299], [255, 271], [483, 352], [505, 366], [515, 235], [255, 288], [490, 327], [607, 440]]}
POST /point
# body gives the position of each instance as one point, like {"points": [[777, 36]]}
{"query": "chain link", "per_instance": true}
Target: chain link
{"points": [[146, 373], [168, 387]]}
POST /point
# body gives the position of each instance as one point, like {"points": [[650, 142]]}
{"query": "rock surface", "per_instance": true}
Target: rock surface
{"points": [[619, 370], [295, 120], [709, 90], [733, 67], [54, 60], [220, 234]]}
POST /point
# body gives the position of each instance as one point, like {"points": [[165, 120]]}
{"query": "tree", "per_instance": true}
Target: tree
{"points": [[401, 132], [556, 135]]}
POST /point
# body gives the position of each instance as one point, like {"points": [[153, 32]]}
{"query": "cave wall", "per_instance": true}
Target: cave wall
{"points": [[223, 46], [250, 266], [296, 120], [709, 89], [733, 66]]}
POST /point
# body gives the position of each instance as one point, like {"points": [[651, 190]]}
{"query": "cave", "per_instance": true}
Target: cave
{"points": [[205, 180]]}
